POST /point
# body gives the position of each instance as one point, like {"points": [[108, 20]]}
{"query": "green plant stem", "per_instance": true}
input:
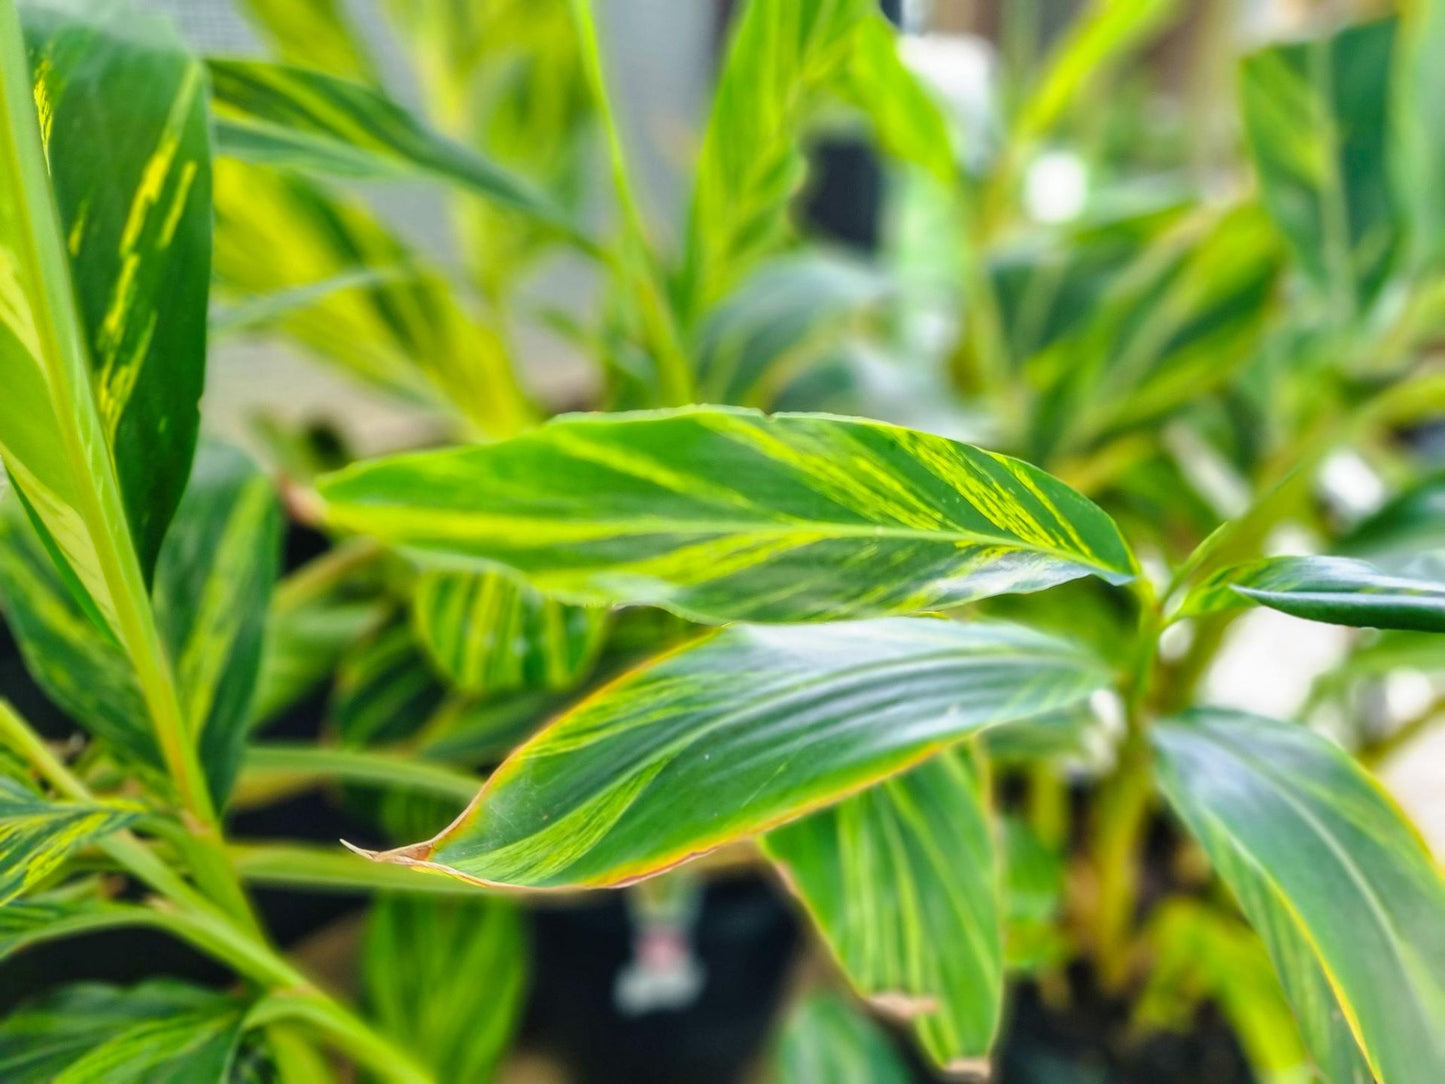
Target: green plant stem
{"points": [[198, 920], [384, 1058], [306, 764], [636, 264], [1125, 800]]}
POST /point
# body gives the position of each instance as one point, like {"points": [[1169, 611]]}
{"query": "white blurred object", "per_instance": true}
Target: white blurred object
{"points": [[1351, 485], [1269, 661], [1413, 776], [962, 70], [1408, 693], [1056, 187]]}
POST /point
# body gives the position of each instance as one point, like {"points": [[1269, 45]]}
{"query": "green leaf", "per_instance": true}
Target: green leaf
{"points": [[1407, 526], [1419, 148], [447, 978], [284, 116], [825, 1037], [123, 118], [1317, 117], [490, 633], [407, 332], [315, 33], [739, 732], [1338, 590], [730, 515], [903, 884], [778, 322], [385, 689], [785, 59], [213, 588], [1327, 869], [160, 1032], [37, 834], [65, 430], [213, 584]]}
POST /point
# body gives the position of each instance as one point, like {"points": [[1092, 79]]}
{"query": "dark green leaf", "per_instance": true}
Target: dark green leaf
{"points": [[1327, 869], [739, 732], [37, 834], [903, 885], [723, 514], [1317, 117], [1338, 590], [447, 977]]}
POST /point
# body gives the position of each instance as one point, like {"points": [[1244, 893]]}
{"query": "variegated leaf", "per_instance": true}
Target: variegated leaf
{"points": [[787, 57], [740, 732], [1318, 119], [300, 119], [213, 585], [1332, 876], [160, 1032], [730, 515], [404, 331], [122, 109], [827, 1038], [490, 633], [903, 883], [1339, 590], [37, 834]]}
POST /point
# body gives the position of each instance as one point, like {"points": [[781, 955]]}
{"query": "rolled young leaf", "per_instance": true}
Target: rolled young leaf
{"points": [[903, 883], [1337, 590], [37, 833], [737, 733], [305, 120], [721, 515], [123, 119], [1330, 873]]}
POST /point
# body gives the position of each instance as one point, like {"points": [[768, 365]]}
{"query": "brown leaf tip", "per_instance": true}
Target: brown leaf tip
{"points": [[903, 1006]]}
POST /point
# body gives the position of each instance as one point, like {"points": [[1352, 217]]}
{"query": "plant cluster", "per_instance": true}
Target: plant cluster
{"points": [[955, 699]]}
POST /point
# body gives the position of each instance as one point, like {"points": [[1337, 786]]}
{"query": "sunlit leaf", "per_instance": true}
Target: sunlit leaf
{"points": [[723, 514], [490, 633], [1419, 127], [37, 834], [1317, 117], [160, 1032], [447, 978], [827, 1038], [680, 756], [1332, 876], [903, 884]]}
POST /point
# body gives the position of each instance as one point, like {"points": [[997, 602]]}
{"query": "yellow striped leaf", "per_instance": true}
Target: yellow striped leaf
{"points": [[490, 633], [300, 119], [903, 883], [213, 584], [1332, 876], [786, 58], [38, 834], [722, 514], [159, 1032], [740, 732], [122, 111], [825, 1038], [1317, 114]]}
